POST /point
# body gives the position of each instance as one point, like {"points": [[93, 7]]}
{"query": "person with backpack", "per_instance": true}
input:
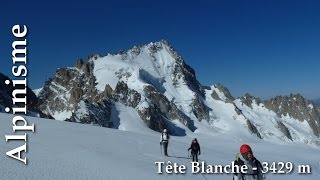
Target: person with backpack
{"points": [[195, 149], [254, 167], [164, 141]]}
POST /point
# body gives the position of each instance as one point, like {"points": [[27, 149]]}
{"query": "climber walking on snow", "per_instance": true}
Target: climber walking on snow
{"points": [[254, 167], [164, 141], [195, 149]]}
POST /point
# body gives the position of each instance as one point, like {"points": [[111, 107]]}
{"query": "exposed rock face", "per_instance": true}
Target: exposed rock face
{"points": [[228, 98], [252, 129], [127, 96], [284, 130], [155, 83], [153, 118], [71, 95], [167, 109], [99, 113], [181, 69], [161, 101], [107, 91], [317, 108], [215, 96], [248, 99], [293, 106], [296, 107], [200, 110]]}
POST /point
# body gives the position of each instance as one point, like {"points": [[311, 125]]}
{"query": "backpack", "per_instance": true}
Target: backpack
{"points": [[165, 137], [240, 162]]}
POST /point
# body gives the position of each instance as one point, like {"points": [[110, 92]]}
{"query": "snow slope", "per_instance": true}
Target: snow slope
{"points": [[161, 79], [62, 150], [37, 91], [266, 122], [142, 66]]}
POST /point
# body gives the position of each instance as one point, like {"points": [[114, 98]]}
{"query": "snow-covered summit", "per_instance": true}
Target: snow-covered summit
{"points": [[156, 63], [159, 89], [151, 78]]}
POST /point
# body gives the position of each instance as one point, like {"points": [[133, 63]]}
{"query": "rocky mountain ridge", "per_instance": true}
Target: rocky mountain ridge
{"points": [[156, 83]]}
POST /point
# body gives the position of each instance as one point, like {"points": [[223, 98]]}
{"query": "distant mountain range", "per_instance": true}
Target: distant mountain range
{"points": [[152, 84]]}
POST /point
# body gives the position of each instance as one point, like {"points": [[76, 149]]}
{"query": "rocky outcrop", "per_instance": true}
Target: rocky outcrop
{"points": [[215, 95], [253, 129], [199, 109], [107, 91], [153, 118], [71, 95], [167, 108], [228, 98], [317, 106], [248, 99], [96, 113], [284, 130], [181, 70], [127, 96], [297, 107], [156, 82]]}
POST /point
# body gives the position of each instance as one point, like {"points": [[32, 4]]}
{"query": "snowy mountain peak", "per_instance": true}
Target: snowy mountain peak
{"points": [[152, 79], [151, 86], [220, 92], [297, 107], [155, 63]]}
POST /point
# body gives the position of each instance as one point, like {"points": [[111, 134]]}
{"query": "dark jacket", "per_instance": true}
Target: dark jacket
{"points": [[195, 147]]}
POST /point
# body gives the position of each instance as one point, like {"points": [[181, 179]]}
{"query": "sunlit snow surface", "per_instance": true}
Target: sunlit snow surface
{"points": [[62, 150]]}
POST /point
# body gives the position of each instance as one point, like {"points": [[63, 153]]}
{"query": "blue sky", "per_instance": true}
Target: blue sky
{"points": [[265, 48]]}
